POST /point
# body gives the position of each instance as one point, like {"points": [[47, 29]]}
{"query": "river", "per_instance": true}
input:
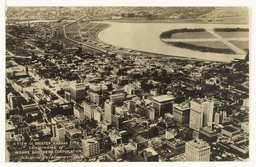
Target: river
{"points": [[145, 37]]}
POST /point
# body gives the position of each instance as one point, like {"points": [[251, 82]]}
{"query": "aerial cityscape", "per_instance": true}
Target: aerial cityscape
{"points": [[127, 84]]}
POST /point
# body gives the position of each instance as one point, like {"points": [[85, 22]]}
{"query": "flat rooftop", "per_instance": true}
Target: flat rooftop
{"points": [[136, 127], [114, 136], [9, 126], [60, 118], [201, 100], [36, 123], [163, 98], [177, 142], [149, 151], [182, 106], [197, 143], [73, 131], [230, 129], [90, 140], [208, 129]]}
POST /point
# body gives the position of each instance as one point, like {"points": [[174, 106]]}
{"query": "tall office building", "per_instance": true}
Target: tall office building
{"points": [[149, 113], [58, 132], [97, 88], [95, 97], [79, 112], [90, 147], [224, 116], [77, 91], [197, 150], [129, 89], [117, 98], [208, 113], [217, 118], [181, 113], [162, 104], [201, 114], [68, 97], [89, 109], [97, 115], [109, 110], [12, 101], [117, 121]]}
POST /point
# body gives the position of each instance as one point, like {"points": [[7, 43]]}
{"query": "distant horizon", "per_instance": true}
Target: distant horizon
{"points": [[139, 65]]}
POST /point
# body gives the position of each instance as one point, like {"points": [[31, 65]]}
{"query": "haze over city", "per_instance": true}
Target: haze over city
{"points": [[127, 84]]}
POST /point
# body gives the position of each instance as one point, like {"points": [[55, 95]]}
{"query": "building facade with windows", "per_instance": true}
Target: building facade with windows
{"points": [[90, 147], [197, 150], [201, 114], [162, 104]]}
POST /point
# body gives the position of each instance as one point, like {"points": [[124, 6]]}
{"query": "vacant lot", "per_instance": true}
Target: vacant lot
{"points": [[241, 44], [192, 35]]}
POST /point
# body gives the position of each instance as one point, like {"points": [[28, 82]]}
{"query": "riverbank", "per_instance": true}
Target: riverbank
{"points": [[144, 37]]}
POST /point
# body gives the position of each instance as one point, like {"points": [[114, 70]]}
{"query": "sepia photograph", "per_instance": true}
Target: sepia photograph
{"points": [[127, 84]]}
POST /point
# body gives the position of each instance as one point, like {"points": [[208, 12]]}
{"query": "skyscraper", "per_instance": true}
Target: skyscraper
{"points": [[197, 150], [201, 114], [117, 98], [68, 97], [89, 109], [58, 132], [163, 104], [181, 113], [217, 119], [77, 91], [109, 110], [95, 97]]}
